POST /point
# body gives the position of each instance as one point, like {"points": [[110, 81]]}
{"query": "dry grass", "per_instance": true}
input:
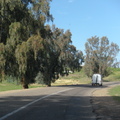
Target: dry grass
{"points": [[73, 79]]}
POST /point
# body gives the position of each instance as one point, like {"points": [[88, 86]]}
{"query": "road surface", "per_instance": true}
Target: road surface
{"points": [[49, 103]]}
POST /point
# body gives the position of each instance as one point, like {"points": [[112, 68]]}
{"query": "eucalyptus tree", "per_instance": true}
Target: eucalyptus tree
{"points": [[30, 51], [21, 26], [100, 55], [14, 19], [54, 49], [59, 55], [2, 61]]}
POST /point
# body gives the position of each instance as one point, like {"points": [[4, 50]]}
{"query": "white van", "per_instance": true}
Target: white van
{"points": [[96, 80]]}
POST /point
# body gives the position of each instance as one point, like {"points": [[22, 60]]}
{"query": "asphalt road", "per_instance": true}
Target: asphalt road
{"points": [[49, 103]]}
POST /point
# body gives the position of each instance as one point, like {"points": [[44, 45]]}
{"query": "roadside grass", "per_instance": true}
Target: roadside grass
{"points": [[115, 93], [6, 86], [115, 76]]}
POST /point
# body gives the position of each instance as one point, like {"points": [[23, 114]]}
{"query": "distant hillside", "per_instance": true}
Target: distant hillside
{"points": [[115, 76]]}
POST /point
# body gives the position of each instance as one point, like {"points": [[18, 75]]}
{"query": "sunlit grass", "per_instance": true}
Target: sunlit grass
{"points": [[115, 93], [5, 86], [73, 79]]}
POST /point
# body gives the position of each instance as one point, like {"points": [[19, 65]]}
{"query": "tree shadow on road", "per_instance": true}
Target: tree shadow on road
{"points": [[83, 85], [60, 106]]}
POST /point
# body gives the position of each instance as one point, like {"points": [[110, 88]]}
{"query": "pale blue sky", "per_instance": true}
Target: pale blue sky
{"points": [[87, 18]]}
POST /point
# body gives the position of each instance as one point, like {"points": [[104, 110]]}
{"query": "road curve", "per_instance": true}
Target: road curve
{"points": [[49, 103]]}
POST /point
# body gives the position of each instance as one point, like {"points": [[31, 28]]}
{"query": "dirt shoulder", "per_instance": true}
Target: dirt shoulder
{"points": [[104, 106]]}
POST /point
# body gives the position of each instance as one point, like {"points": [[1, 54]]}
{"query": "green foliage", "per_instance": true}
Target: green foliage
{"points": [[2, 55], [114, 76], [29, 47], [39, 78], [115, 69], [11, 80]]}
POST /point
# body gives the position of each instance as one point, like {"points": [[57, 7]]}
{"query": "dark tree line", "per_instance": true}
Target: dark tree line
{"points": [[31, 50]]}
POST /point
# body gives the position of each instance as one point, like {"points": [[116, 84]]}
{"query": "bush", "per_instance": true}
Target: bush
{"points": [[11, 79], [39, 78]]}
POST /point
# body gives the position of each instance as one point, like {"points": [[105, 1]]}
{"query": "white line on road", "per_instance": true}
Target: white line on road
{"points": [[25, 106]]}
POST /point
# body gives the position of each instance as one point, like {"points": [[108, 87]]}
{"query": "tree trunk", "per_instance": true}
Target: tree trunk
{"points": [[25, 86], [48, 85], [24, 83]]}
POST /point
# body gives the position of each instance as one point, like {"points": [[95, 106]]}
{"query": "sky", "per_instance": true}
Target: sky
{"points": [[87, 18]]}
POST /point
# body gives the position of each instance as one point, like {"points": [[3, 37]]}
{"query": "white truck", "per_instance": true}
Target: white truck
{"points": [[96, 80]]}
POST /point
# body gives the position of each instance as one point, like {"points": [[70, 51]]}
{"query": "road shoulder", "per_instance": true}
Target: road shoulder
{"points": [[104, 106]]}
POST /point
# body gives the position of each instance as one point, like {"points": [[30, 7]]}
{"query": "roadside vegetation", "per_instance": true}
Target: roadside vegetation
{"points": [[114, 76], [115, 93], [7, 86], [75, 78], [71, 79]]}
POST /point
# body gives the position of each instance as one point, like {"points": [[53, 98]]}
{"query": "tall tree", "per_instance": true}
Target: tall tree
{"points": [[14, 19], [40, 12], [19, 24], [59, 54], [100, 55]]}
